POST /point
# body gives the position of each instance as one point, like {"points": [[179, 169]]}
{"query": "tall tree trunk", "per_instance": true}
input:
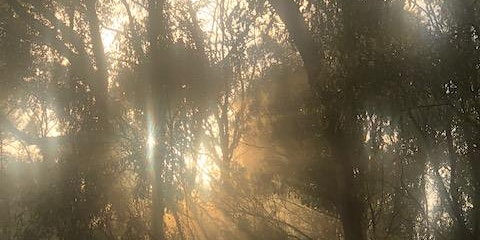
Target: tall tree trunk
{"points": [[157, 78], [454, 191], [349, 199], [466, 28], [100, 82], [473, 156]]}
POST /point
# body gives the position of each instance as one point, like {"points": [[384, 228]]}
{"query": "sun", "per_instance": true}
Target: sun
{"points": [[206, 15], [117, 23], [108, 37]]}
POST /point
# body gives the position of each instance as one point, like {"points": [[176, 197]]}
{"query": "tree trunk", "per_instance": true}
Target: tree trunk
{"points": [[473, 155], [302, 38], [351, 218], [349, 199], [156, 38], [454, 191]]}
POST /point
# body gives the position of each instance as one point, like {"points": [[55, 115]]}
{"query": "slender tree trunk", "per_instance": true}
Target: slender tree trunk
{"points": [[158, 211], [473, 154]]}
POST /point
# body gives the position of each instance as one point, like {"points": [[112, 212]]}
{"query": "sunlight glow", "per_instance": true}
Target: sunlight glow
{"points": [[205, 15], [150, 141], [432, 193], [203, 166], [116, 26], [207, 170], [53, 128], [108, 37]]}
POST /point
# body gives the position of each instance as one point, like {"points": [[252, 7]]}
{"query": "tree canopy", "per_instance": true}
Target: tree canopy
{"points": [[247, 119]]}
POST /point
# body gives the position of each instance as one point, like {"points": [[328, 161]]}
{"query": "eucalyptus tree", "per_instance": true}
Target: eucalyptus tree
{"points": [[94, 117], [309, 119], [354, 58]]}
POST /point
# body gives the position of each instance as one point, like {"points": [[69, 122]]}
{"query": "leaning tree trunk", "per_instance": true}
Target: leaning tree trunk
{"points": [[349, 198]]}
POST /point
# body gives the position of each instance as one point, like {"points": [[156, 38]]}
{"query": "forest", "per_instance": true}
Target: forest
{"points": [[239, 119]]}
